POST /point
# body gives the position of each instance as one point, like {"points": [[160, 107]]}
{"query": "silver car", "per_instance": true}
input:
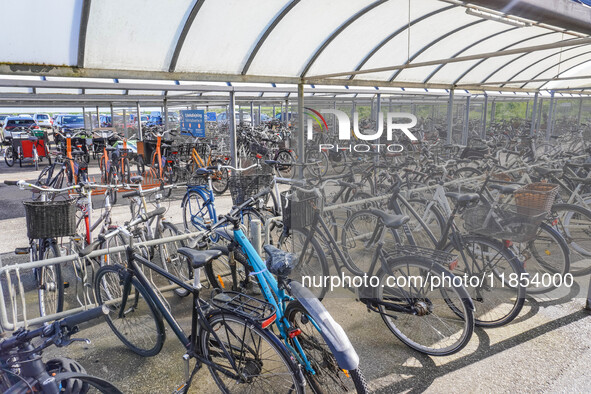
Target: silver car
{"points": [[43, 120]]}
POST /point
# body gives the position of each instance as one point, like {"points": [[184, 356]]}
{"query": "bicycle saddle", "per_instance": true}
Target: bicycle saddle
{"points": [[137, 179], [546, 171], [280, 262], [199, 258], [505, 189], [463, 198], [390, 221], [202, 171]]}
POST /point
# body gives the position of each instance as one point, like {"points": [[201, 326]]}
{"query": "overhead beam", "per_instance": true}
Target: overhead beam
{"points": [[563, 71], [555, 65], [181, 40], [278, 18], [338, 31], [485, 55]]}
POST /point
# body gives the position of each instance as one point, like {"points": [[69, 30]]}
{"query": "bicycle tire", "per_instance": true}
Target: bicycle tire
{"points": [[577, 235], [229, 326], [219, 272], [513, 302], [220, 180], [425, 333], [285, 157], [108, 286], [171, 260], [328, 377], [9, 156], [51, 293], [196, 212], [550, 255], [102, 385], [113, 179]]}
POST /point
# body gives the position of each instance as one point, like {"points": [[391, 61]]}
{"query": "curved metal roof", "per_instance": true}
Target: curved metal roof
{"points": [[406, 43]]}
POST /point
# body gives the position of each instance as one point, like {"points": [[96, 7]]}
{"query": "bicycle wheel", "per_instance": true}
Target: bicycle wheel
{"points": [[114, 258], [574, 224], [124, 171], [196, 213], [9, 156], [50, 283], [312, 262], [113, 179], [489, 267], [328, 377], [219, 181], [140, 327], [430, 317], [319, 167], [172, 261], [221, 274], [286, 168], [543, 256], [262, 364]]}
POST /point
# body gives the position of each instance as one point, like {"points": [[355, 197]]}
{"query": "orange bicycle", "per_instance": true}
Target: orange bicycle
{"points": [[202, 157], [159, 167]]}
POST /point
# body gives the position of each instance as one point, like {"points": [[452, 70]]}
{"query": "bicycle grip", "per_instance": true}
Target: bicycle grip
{"points": [[150, 215], [90, 248], [72, 321], [134, 193], [11, 183]]}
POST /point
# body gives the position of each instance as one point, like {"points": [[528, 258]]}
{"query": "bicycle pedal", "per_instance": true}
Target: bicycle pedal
{"points": [[21, 251]]}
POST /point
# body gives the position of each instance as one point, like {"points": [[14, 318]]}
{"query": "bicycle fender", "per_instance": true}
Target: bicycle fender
{"points": [[333, 333], [227, 234]]}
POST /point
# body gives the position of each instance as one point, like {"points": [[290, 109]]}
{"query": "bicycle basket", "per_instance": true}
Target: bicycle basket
{"points": [[507, 222], [539, 195], [244, 186], [241, 304], [299, 209], [50, 219]]}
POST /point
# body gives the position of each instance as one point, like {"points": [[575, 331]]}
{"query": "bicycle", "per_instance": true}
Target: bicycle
{"points": [[201, 157], [230, 335], [47, 220], [159, 167], [24, 371], [25, 145], [318, 343]]}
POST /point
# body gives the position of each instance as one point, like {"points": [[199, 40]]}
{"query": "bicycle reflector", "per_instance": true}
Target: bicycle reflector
{"points": [[453, 265], [507, 243], [294, 332], [269, 321]]}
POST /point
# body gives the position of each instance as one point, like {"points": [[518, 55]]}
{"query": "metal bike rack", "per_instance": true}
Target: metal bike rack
{"points": [[13, 309]]}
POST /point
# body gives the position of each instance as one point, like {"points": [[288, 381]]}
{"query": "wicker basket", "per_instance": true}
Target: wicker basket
{"points": [[539, 195], [50, 219]]}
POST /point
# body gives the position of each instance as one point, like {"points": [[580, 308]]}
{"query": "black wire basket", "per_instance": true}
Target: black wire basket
{"points": [[299, 208], [50, 219], [445, 259], [244, 186], [507, 222], [246, 306]]}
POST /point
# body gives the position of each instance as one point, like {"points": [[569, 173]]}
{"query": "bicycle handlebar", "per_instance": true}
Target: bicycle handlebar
{"points": [[22, 184], [54, 330]]}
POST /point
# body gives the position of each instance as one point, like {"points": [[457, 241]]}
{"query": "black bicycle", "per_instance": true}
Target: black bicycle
{"points": [[24, 371], [229, 334]]}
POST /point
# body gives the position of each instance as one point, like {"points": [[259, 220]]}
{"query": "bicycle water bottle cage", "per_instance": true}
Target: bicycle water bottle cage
{"points": [[280, 262]]}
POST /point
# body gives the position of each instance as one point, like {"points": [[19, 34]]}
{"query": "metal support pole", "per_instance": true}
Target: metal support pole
{"points": [[534, 115], [252, 120], [274, 111], [98, 117], [353, 109], [255, 234], [580, 112], [166, 114], [286, 120], [301, 130], [112, 116], [390, 104], [84, 116], [493, 111], [526, 109], [241, 114], [450, 114], [371, 111], [140, 136], [125, 131], [588, 305], [432, 116], [378, 107], [259, 116], [550, 115], [232, 124], [466, 122], [484, 114]]}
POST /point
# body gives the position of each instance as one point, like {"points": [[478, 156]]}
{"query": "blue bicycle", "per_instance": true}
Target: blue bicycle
{"points": [[317, 342]]}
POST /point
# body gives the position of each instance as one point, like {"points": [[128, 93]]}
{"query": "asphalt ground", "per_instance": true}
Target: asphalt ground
{"points": [[546, 349]]}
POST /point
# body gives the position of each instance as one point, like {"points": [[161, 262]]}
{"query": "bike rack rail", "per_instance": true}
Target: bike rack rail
{"points": [[11, 298]]}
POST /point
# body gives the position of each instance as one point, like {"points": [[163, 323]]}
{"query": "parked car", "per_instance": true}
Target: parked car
{"points": [[66, 122], [105, 121], [25, 116], [42, 120], [246, 119], [12, 122], [2, 119], [157, 120], [265, 118], [144, 118]]}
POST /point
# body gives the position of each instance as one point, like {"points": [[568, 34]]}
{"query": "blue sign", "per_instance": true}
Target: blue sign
{"points": [[193, 122], [211, 117]]}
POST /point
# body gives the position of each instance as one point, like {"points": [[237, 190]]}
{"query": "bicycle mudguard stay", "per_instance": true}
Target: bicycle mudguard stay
{"points": [[332, 332]]}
